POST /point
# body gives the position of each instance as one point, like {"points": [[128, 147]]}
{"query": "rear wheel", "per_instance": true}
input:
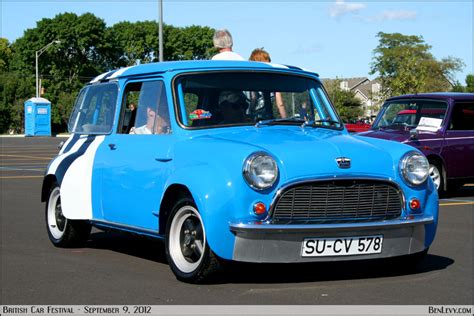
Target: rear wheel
{"points": [[188, 253], [63, 232]]}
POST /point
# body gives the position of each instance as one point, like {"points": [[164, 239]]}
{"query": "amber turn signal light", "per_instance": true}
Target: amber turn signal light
{"points": [[259, 208], [414, 204]]}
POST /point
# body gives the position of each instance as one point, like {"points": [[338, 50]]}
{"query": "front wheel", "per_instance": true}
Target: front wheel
{"points": [[63, 232], [436, 176], [188, 253]]}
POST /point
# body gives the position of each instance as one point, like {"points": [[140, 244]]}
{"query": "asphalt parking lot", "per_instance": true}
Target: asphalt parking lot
{"points": [[119, 269]]}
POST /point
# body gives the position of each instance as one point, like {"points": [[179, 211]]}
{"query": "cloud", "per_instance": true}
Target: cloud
{"points": [[394, 15], [341, 7]]}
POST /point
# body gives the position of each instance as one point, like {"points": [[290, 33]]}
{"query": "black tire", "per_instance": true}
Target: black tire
{"points": [[63, 232], [188, 253]]}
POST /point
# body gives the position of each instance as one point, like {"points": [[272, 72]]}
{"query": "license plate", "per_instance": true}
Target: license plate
{"points": [[342, 246]]}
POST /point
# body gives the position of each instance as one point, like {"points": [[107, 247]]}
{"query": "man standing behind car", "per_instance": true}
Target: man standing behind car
{"points": [[223, 41]]}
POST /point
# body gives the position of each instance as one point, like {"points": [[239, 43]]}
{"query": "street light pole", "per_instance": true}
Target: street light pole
{"points": [[36, 63], [160, 32], [37, 55]]}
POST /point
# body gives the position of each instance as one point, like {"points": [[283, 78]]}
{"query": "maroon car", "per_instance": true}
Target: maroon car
{"points": [[357, 127], [441, 125]]}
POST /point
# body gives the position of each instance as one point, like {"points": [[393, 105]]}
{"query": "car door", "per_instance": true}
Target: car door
{"points": [[458, 151], [135, 161]]}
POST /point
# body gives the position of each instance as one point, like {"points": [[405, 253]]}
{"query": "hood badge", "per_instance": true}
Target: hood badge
{"points": [[343, 162]]}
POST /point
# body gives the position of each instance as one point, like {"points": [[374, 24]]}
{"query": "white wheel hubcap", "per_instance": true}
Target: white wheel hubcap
{"points": [[187, 239], [56, 221], [435, 176]]}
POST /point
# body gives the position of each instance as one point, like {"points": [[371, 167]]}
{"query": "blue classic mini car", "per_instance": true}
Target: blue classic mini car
{"points": [[230, 160]]}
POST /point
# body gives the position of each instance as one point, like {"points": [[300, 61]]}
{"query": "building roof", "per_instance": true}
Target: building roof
{"points": [[366, 88], [352, 83]]}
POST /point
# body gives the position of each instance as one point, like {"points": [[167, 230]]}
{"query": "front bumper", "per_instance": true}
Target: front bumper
{"points": [[266, 242]]}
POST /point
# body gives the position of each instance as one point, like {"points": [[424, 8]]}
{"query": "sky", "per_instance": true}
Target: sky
{"points": [[333, 38]]}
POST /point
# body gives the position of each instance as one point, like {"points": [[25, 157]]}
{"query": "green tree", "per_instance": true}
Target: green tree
{"points": [[404, 64], [86, 49], [188, 43], [347, 105], [133, 42], [136, 43], [470, 83], [5, 54], [458, 87], [81, 54]]}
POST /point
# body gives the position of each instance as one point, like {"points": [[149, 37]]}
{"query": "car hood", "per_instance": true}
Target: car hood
{"points": [[312, 152], [398, 135]]}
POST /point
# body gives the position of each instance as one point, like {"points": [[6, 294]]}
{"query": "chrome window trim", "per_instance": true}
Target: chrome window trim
{"points": [[446, 113], [279, 71]]}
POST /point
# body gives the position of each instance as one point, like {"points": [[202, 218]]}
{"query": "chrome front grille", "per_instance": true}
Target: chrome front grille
{"points": [[338, 200]]}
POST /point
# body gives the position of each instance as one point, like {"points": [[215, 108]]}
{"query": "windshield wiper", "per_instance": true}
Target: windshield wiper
{"points": [[315, 123], [292, 120]]}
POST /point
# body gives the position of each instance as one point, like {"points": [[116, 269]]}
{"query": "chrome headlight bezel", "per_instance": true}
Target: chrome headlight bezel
{"points": [[254, 180], [417, 161]]}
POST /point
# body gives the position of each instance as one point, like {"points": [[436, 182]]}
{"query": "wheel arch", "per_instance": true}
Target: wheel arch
{"points": [[173, 193], [439, 160], [48, 182]]}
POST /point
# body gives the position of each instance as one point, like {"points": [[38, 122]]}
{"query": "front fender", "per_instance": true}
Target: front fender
{"points": [[213, 191]]}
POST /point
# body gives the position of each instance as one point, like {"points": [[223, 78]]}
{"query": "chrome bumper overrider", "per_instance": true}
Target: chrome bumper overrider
{"points": [[266, 242]]}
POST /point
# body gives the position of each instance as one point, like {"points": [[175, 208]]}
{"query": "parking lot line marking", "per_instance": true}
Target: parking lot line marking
{"points": [[456, 203], [20, 177], [454, 200], [28, 151], [9, 159], [40, 164], [18, 169], [32, 157]]}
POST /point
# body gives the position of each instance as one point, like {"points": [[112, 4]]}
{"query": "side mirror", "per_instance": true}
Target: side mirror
{"points": [[413, 134]]}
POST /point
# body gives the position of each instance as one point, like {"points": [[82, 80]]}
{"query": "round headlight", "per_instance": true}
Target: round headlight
{"points": [[260, 171], [414, 168]]}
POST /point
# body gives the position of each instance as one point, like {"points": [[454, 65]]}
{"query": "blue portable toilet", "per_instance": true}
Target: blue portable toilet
{"points": [[37, 117]]}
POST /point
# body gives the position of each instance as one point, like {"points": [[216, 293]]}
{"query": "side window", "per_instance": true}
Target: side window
{"points": [[94, 110], [145, 109], [129, 107], [462, 117]]}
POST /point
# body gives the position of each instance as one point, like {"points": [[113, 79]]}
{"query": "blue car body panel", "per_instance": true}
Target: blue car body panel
{"points": [[131, 174]]}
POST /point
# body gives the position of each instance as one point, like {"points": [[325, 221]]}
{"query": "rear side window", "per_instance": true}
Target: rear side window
{"points": [[94, 110], [463, 116]]}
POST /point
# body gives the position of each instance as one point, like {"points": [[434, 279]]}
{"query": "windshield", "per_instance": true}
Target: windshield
{"points": [[411, 113], [246, 98]]}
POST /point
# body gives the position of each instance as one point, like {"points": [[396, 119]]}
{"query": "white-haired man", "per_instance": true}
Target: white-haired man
{"points": [[223, 41]]}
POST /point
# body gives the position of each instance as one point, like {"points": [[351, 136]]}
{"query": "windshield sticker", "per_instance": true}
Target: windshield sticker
{"points": [[199, 115], [429, 124]]}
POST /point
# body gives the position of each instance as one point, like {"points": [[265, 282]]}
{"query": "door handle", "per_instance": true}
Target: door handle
{"points": [[112, 146], [163, 159]]}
